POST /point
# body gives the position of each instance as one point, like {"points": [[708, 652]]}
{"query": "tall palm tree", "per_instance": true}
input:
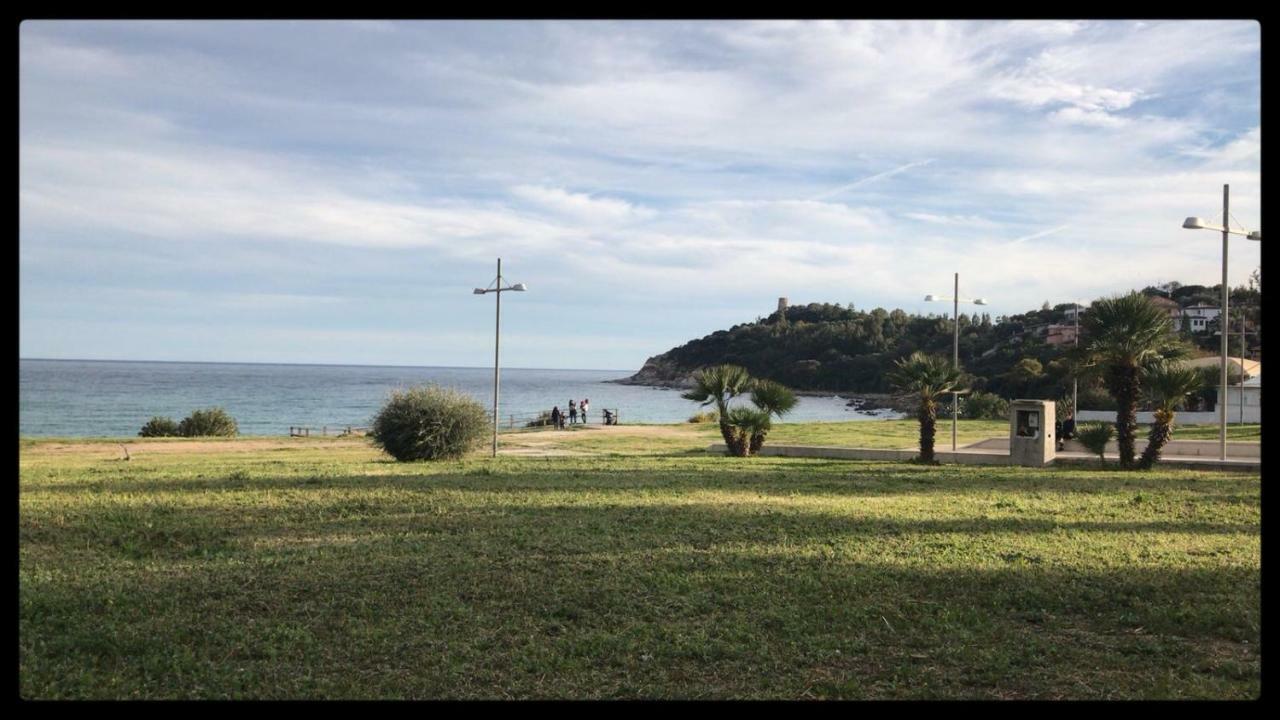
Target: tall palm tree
{"points": [[1168, 386], [1125, 337], [773, 399], [718, 384], [925, 377]]}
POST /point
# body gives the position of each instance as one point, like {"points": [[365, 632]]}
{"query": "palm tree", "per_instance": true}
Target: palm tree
{"points": [[747, 424], [926, 377], [1168, 387], [1095, 436], [1124, 338], [773, 399], [718, 384]]}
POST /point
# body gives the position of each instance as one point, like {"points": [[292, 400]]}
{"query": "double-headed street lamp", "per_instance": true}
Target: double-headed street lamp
{"points": [[497, 289], [955, 353], [1195, 223]]}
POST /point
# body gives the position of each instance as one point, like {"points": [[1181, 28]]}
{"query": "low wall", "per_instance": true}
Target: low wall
{"points": [[1180, 448], [847, 453], [1252, 414]]}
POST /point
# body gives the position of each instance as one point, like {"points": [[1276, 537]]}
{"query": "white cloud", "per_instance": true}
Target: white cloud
{"points": [[1081, 116], [581, 206]]}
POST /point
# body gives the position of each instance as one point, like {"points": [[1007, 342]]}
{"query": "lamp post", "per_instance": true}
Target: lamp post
{"points": [[497, 289], [1075, 382], [955, 346], [1195, 223]]}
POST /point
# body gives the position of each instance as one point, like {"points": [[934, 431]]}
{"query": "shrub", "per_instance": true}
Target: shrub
{"points": [[1095, 436], [214, 421], [429, 423], [705, 417], [159, 427], [984, 406]]}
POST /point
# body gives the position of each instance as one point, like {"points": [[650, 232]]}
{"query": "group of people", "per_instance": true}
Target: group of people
{"points": [[558, 417]]}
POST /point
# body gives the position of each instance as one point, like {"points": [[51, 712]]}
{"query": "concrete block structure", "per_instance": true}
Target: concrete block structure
{"points": [[1031, 432]]}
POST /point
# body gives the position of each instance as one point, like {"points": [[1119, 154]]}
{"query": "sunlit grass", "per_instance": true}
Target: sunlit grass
{"points": [[308, 572]]}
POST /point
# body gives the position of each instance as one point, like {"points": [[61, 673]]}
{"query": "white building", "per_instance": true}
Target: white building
{"points": [[1199, 316]]}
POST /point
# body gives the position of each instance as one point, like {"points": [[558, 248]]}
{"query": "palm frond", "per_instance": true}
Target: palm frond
{"points": [[773, 398], [927, 376], [1168, 385]]}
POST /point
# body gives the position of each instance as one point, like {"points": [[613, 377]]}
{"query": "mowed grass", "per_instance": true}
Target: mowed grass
{"points": [[1235, 432], [299, 571]]}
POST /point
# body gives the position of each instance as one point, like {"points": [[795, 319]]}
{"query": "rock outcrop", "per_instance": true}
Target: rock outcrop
{"points": [[659, 372]]}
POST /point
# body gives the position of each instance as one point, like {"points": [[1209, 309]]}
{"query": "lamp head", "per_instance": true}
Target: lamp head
{"points": [[1255, 235], [1194, 223], [478, 291], [930, 298], [519, 287], [980, 301]]}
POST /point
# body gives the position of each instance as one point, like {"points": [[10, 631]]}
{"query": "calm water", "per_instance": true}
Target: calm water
{"points": [[100, 398]]}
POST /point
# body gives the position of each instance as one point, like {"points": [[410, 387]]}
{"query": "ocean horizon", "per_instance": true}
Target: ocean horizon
{"points": [[63, 397], [250, 362]]}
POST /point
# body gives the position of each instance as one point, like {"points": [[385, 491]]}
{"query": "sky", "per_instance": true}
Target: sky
{"points": [[332, 192]]}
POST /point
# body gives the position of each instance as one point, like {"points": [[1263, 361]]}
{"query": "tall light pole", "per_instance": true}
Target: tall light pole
{"points": [[1075, 382], [955, 345], [1195, 223], [497, 289]]}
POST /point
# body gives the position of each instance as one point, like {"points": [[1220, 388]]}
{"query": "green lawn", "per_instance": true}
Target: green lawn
{"points": [[649, 570], [1235, 432]]}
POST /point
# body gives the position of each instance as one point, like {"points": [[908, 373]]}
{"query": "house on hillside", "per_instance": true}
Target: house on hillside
{"points": [[1199, 316], [1169, 306], [1060, 335], [1070, 313]]}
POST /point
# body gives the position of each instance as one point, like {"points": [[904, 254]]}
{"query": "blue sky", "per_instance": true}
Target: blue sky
{"points": [[331, 192]]}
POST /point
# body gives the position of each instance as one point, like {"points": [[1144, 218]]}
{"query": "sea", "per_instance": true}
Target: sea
{"points": [[105, 398]]}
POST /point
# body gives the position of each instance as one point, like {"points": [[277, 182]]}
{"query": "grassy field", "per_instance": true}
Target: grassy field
{"points": [[626, 564], [1235, 432]]}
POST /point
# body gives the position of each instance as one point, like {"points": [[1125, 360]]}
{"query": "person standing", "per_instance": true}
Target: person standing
{"points": [[583, 409], [1067, 429], [573, 413], [557, 420]]}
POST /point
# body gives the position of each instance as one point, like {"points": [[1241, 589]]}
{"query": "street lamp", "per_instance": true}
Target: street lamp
{"points": [[1195, 223], [497, 289], [955, 351], [1075, 382]]}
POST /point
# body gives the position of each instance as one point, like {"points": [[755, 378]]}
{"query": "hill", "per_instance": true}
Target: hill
{"points": [[829, 348]]}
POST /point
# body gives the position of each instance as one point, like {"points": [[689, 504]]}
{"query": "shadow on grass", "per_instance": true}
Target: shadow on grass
{"points": [[479, 608]]}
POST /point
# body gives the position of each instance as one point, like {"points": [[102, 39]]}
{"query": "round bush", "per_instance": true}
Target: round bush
{"points": [[159, 427], [429, 423], [984, 406], [214, 421]]}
